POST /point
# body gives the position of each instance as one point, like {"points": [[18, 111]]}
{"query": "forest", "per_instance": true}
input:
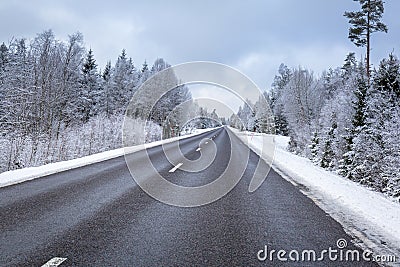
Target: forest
{"points": [[57, 104], [339, 121], [346, 120]]}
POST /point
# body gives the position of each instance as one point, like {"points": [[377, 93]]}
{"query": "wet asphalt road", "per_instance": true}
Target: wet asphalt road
{"points": [[98, 216]]}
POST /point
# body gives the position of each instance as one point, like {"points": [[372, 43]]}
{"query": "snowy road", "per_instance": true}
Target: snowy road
{"points": [[97, 216]]}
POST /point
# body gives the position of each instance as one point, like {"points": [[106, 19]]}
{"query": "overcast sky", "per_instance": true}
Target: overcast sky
{"points": [[253, 36]]}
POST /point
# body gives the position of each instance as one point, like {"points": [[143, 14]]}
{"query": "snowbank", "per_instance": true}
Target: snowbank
{"points": [[369, 216], [26, 174]]}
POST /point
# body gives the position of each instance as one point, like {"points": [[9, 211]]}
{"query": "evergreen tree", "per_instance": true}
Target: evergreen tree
{"points": [[105, 104], [315, 147], [107, 72], [224, 121], [368, 145], [89, 96], [391, 152], [277, 101], [144, 73], [240, 123], [372, 143], [387, 78], [234, 121], [364, 23], [331, 82], [264, 120], [172, 110], [349, 66], [3, 57], [371, 147], [358, 121], [3, 61], [328, 155], [247, 116], [145, 67], [386, 82], [124, 81], [90, 64], [360, 103], [215, 119]]}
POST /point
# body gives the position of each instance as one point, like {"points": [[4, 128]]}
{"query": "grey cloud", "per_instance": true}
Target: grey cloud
{"points": [[225, 31]]}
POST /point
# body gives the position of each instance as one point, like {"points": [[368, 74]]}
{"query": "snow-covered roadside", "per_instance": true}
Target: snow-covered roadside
{"points": [[367, 215], [26, 174]]}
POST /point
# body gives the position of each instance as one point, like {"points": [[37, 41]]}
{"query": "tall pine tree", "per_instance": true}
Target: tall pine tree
{"points": [[364, 23]]}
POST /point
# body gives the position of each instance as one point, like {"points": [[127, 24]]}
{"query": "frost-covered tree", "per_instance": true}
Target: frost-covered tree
{"points": [[106, 85], [214, 117], [162, 99], [387, 77], [173, 110], [329, 149], [124, 81], [370, 148], [276, 100], [247, 117], [3, 57], [17, 90], [71, 63], [391, 152], [358, 104], [387, 83], [3, 61], [346, 124], [89, 95], [234, 121], [350, 65], [368, 144], [315, 147], [46, 52], [302, 98], [145, 73], [264, 119], [337, 87], [159, 65]]}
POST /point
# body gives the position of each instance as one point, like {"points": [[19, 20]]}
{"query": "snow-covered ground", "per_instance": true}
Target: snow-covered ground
{"points": [[25, 174], [367, 215]]}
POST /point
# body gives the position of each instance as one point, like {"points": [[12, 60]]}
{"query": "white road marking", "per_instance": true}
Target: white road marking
{"points": [[198, 149], [54, 262], [176, 167]]}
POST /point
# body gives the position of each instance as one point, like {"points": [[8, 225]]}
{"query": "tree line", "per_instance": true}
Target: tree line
{"points": [[56, 103], [348, 119]]}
